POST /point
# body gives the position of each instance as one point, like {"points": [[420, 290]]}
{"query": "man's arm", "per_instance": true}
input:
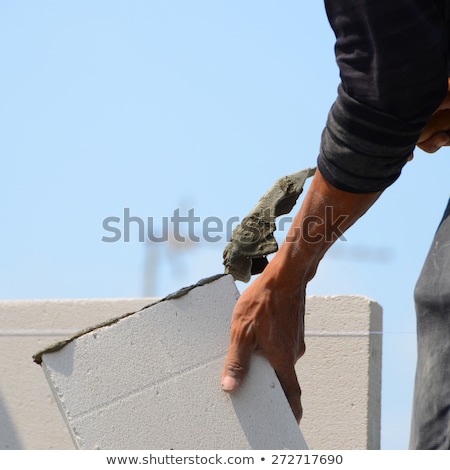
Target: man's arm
{"points": [[269, 316], [371, 131]]}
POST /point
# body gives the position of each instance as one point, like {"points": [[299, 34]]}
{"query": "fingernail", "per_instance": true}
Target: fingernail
{"points": [[228, 383]]}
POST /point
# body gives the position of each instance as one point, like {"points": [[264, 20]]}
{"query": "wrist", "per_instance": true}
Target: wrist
{"points": [[288, 272]]}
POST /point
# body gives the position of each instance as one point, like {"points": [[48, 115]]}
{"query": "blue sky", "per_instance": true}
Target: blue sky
{"points": [[157, 105]]}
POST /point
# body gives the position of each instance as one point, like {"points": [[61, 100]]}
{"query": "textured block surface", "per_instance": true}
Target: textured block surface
{"points": [[151, 380], [340, 374], [29, 416]]}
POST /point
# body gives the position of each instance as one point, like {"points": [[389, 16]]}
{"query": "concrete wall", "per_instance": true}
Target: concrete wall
{"points": [[340, 374], [29, 416], [151, 380]]}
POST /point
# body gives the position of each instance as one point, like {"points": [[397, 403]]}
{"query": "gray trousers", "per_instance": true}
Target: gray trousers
{"points": [[430, 427]]}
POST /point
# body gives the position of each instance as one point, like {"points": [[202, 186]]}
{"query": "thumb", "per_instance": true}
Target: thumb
{"points": [[237, 363]]}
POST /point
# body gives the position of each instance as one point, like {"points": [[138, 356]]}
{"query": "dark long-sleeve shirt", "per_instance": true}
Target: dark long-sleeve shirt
{"points": [[392, 56]]}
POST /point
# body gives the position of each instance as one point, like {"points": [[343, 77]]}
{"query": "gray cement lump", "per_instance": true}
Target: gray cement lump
{"points": [[253, 239]]}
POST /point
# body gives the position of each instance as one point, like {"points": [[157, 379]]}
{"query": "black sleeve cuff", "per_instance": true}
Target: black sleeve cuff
{"points": [[363, 150]]}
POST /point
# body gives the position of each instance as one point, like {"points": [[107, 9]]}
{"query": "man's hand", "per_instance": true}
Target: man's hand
{"points": [[437, 131], [268, 320], [269, 317]]}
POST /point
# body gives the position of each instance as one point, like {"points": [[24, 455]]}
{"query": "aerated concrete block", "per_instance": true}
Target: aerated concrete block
{"points": [[151, 380], [340, 374], [29, 416]]}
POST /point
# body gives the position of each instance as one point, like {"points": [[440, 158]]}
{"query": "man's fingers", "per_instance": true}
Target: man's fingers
{"points": [[435, 142], [435, 134], [237, 362], [289, 382]]}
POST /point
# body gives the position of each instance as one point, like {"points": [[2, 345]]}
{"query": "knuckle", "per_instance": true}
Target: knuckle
{"points": [[234, 367]]}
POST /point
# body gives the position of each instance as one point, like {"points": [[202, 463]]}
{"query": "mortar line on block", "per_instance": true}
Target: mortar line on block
{"points": [[342, 333], [36, 332], [180, 293], [138, 390], [31, 332]]}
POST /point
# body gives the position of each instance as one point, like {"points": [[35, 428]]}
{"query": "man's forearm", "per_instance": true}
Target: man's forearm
{"points": [[269, 316], [325, 214]]}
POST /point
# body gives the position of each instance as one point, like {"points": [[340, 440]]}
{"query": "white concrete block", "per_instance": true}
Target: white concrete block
{"points": [[29, 416], [151, 380], [340, 374]]}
